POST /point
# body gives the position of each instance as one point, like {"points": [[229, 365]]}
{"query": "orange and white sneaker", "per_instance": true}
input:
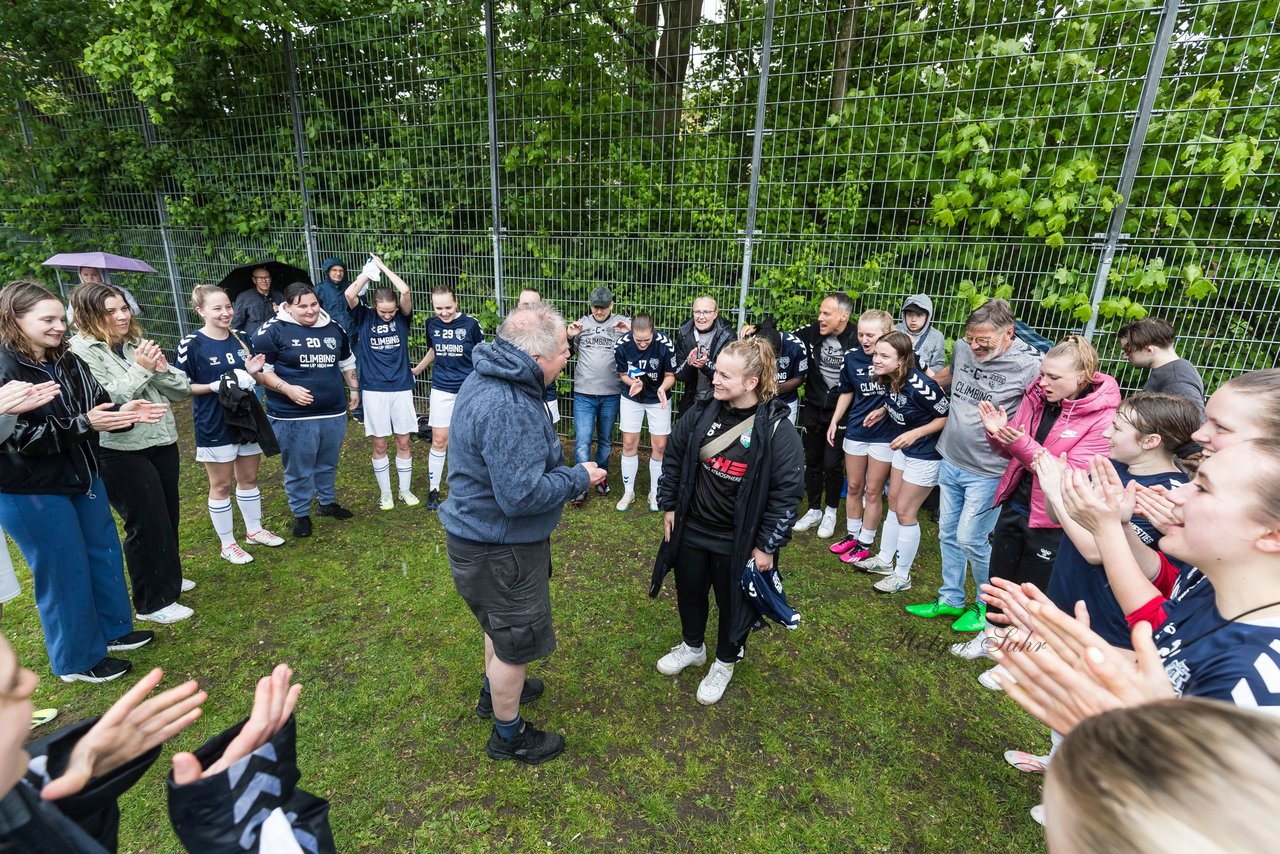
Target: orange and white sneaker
{"points": [[236, 555], [263, 537]]}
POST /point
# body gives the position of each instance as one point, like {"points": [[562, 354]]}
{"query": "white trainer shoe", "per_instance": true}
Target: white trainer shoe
{"points": [[892, 583], [974, 648], [1037, 814], [263, 537], [386, 502], [996, 678], [236, 555], [808, 520], [409, 499], [188, 585], [827, 529], [717, 679], [175, 613], [624, 503], [1028, 763], [875, 565], [653, 504], [680, 657]]}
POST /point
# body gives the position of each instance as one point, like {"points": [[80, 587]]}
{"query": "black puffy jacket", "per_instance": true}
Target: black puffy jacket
{"points": [[686, 340], [53, 449]]}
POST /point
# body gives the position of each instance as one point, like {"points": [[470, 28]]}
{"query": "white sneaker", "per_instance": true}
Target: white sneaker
{"points": [[988, 678], [188, 585], [625, 501], [386, 502], [717, 679], [808, 520], [263, 537], [1037, 813], [875, 565], [680, 657], [409, 499], [974, 648], [174, 613], [893, 583], [236, 555], [827, 529], [653, 504], [1028, 763]]}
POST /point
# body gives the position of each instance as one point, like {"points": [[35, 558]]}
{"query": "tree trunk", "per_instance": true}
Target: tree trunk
{"points": [[844, 44]]}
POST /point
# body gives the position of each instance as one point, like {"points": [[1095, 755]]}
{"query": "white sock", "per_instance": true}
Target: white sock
{"points": [[404, 472], [655, 474], [250, 503], [435, 468], [867, 537], [829, 514], [889, 539], [853, 526], [908, 545], [223, 521], [630, 466], [382, 474]]}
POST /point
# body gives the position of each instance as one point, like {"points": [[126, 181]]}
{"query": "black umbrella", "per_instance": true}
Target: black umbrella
{"points": [[282, 275]]}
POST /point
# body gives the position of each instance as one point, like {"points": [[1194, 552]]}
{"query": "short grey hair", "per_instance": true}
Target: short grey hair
{"points": [[994, 313], [843, 301], [533, 328]]}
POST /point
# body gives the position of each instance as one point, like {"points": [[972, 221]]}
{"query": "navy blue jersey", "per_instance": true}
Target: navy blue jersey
{"points": [[649, 364], [452, 343], [205, 360], [313, 357], [1075, 579], [382, 349], [857, 377], [920, 401], [793, 361], [1206, 655]]}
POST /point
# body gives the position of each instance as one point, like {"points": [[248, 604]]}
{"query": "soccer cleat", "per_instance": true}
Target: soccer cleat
{"points": [[133, 640], [175, 612], [335, 510], [236, 555], [844, 545], [929, 610], [892, 583], [711, 689], [827, 528], [808, 520], [103, 671], [1028, 763], [263, 537], [974, 648], [433, 500], [861, 553], [602, 488], [386, 502], [408, 499], [531, 691], [624, 503], [875, 565], [974, 619], [302, 526], [531, 745], [578, 500], [680, 657]]}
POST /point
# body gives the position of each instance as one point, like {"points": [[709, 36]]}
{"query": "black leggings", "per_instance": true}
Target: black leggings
{"points": [[1020, 553], [699, 570], [823, 463], [143, 489]]}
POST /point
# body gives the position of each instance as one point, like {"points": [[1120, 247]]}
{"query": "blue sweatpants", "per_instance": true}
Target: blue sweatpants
{"points": [[309, 452], [71, 545]]}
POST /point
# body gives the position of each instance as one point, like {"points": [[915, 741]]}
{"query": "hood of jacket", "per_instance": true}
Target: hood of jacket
{"points": [[500, 359], [922, 302], [284, 316], [1103, 395], [334, 262]]}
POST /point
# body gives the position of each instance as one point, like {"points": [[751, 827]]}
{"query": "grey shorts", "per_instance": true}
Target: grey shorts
{"points": [[507, 588]]}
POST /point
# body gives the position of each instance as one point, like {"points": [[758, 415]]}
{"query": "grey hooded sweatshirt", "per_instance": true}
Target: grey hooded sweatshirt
{"points": [[930, 346]]}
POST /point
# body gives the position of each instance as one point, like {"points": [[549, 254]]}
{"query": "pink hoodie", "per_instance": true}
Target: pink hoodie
{"points": [[1077, 433]]}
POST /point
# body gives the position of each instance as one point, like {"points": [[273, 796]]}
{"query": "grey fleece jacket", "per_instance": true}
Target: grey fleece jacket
{"points": [[507, 479], [1003, 380]]}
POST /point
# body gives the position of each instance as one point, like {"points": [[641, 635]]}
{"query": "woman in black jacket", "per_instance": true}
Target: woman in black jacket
{"points": [[730, 490], [52, 502]]}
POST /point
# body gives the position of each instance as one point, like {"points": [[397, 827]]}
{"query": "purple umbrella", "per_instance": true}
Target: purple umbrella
{"points": [[101, 260]]}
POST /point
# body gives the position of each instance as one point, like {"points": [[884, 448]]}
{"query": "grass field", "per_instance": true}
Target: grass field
{"points": [[857, 732]]}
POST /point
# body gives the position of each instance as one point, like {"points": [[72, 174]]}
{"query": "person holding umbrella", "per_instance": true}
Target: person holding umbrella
{"points": [[255, 306]]}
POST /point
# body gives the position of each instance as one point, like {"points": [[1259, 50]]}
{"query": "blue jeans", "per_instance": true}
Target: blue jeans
{"points": [[966, 517], [309, 451], [71, 544], [594, 416]]}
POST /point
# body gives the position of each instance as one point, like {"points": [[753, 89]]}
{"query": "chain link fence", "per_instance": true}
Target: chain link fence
{"points": [[1089, 162]]}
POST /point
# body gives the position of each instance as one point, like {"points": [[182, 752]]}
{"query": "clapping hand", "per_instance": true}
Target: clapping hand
{"points": [[144, 411], [254, 363], [1102, 500], [1154, 505], [17, 397], [993, 417], [149, 355]]}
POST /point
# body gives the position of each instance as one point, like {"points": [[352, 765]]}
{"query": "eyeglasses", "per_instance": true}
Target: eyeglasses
{"points": [[703, 311], [984, 343], [262, 278]]}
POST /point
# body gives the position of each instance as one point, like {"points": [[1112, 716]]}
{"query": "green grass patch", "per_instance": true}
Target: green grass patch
{"points": [[845, 735]]}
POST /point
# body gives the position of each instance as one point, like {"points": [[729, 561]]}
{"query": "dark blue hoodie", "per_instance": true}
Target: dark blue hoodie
{"points": [[507, 479], [332, 297]]}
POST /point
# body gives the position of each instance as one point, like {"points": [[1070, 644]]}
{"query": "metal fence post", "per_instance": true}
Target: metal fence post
{"points": [[1132, 156], [162, 218], [757, 144], [300, 153], [495, 194]]}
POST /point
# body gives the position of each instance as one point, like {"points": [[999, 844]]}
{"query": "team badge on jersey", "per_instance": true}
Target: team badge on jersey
{"points": [[331, 343]]}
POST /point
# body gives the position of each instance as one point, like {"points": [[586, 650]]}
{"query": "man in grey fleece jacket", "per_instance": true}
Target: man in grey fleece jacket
{"points": [[507, 487], [988, 363]]}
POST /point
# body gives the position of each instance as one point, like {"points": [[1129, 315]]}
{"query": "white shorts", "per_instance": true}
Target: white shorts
{"points": [[794, 406], [389, 412], [226, 453], [9, 588], [919, 472], [631, 416], [553, 408], [440, 408], [879, 451]]}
